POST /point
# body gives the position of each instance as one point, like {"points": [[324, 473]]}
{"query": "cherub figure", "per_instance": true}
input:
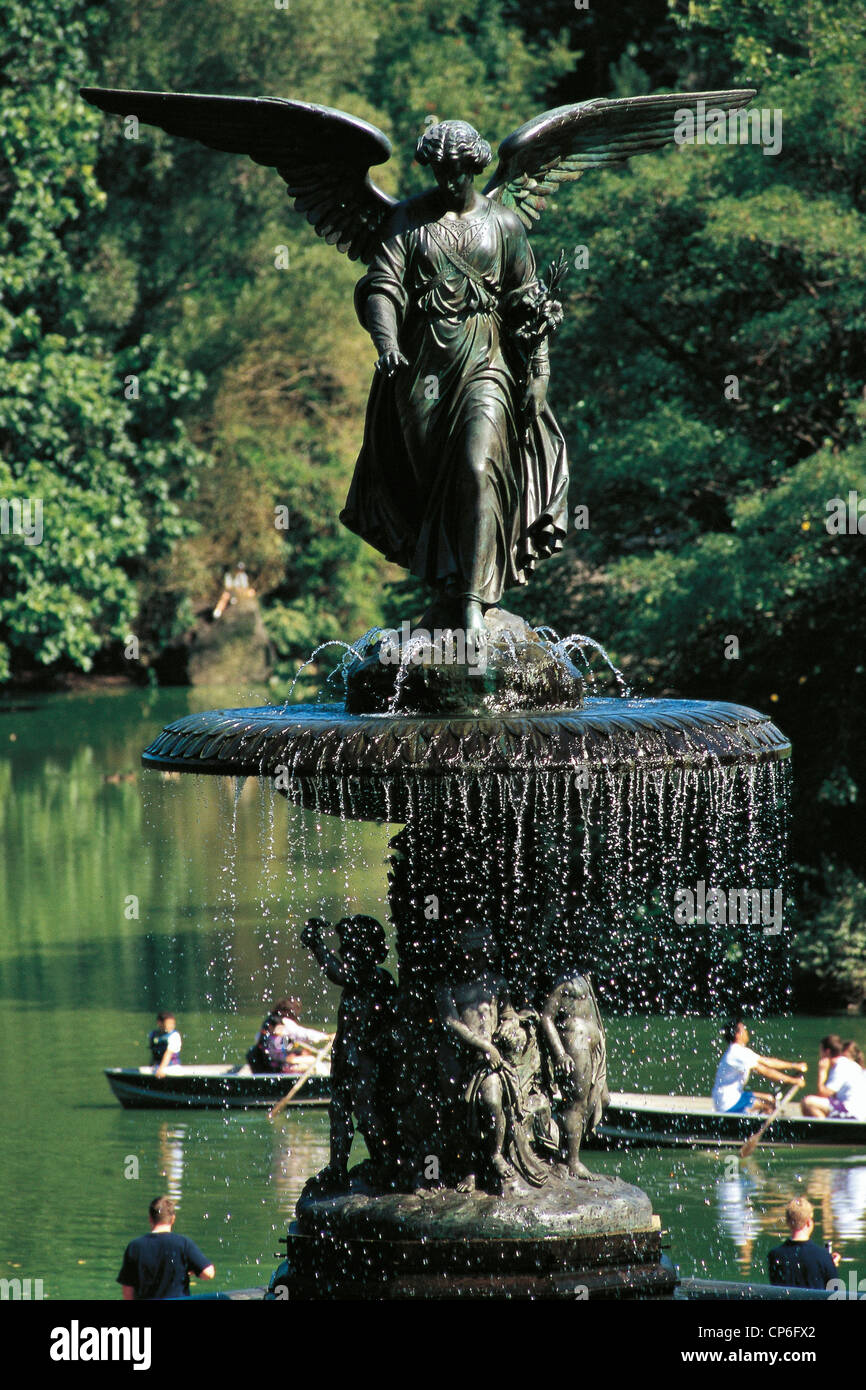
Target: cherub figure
{"points": [[517, 1038], [575, 1035], [473, 1005], [364, 1016], [462, 476]]}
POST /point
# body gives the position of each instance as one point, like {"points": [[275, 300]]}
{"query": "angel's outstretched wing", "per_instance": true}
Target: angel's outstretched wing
{"points": [[324, 156], [563, 143]]}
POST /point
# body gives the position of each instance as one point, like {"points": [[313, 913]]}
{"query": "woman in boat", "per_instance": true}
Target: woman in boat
{"points": [[282, 1041], [817, 1107], [841, 1091]]}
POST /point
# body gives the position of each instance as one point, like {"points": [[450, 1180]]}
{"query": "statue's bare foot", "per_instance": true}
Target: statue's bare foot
{"points": [[472, 617], [467, 1184], [577, 1169], [501, 1167]]}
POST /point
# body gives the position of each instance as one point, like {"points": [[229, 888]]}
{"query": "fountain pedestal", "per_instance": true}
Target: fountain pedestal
{"points": [[572, 1239]]}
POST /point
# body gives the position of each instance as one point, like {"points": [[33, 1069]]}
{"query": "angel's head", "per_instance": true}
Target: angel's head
{"points": [[455, 152]]}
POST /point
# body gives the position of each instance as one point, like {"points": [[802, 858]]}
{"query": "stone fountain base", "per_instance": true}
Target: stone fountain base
{"points": [[572, 1239]]}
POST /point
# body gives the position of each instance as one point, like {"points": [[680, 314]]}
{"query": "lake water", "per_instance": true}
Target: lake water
{"points": [[124, 891]]}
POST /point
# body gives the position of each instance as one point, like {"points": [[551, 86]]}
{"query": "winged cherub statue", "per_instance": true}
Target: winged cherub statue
{"points": [[462, 476]]}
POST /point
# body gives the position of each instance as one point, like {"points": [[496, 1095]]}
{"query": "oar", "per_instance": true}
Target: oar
{"points": [[314, 1062], [751, 1144]]}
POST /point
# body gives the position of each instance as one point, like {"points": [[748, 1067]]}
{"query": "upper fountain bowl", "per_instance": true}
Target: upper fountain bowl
{"points": [[316, 752]]}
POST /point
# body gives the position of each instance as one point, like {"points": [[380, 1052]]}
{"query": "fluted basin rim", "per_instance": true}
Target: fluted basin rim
{"points": [[324, 741]]}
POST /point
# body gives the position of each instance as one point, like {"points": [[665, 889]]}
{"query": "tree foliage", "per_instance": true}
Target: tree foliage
{"points": [[708, 376], [710, 379], [102, 461]]}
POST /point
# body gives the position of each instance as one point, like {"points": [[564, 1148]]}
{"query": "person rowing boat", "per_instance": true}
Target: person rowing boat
{"points": [[283, 1043], [730, 1095]]}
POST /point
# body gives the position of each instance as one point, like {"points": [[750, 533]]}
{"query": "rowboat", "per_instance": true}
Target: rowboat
{"points": [[215, 1087], [633, 1118]]}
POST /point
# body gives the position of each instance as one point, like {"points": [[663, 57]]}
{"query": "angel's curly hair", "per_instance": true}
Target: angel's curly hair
{"points": [[450, 138]]}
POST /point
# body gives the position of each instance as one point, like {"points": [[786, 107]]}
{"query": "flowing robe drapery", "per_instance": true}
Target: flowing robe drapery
{"points": [[453, 482]]}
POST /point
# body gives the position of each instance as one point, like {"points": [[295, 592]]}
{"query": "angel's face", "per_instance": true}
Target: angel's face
{"points": [[456, 179]]}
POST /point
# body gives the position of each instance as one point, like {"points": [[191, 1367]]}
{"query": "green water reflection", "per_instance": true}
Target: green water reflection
{"points": [[125, 891]]}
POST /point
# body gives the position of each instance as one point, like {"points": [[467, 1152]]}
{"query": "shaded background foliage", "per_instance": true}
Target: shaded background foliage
{"points": [[156, 260]]}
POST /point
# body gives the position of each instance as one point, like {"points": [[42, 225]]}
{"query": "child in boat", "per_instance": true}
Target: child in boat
{"points": [[165, 1043], [282, 1042], [730, 1095], [841, 1092]]}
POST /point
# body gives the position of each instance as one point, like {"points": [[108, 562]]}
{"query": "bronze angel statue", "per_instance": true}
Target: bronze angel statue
{"points": [[462, 476]]}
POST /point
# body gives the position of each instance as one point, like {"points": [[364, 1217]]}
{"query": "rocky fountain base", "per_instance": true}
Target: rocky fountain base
{"points": [[575, 1239], [533, 834]]}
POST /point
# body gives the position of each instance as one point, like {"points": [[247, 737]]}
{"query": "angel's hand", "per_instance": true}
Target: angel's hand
{"points": [[535, 395], [391, 362]]}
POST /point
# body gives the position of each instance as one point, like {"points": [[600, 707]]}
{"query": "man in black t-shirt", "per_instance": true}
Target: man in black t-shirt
{"points": [[799, 1263], [159, 1265]]}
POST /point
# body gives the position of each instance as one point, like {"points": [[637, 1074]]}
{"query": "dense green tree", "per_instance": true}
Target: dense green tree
{"points": [[710, 379], [89, 439], [831, 944], [639, 38], [182, 363]]}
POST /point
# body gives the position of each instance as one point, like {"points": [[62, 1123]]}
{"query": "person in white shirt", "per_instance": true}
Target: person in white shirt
{"points": [[841, 1091], [730, 1094], [236, 584]]}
